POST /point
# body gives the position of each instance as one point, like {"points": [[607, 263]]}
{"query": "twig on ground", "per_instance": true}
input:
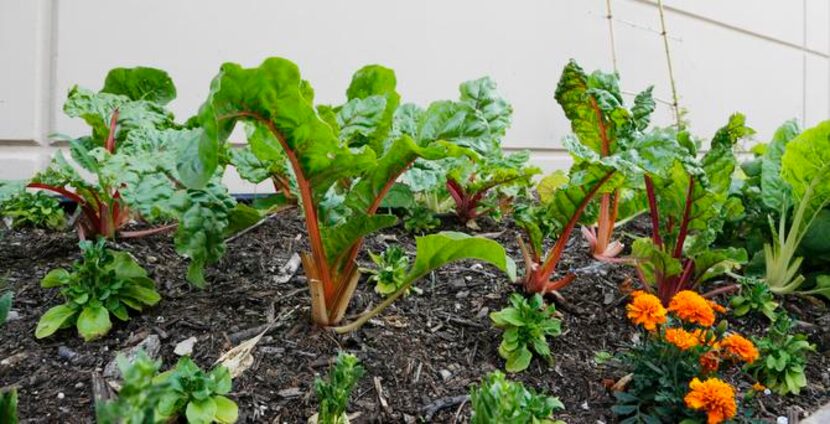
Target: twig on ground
{"points": [[430, 410]]}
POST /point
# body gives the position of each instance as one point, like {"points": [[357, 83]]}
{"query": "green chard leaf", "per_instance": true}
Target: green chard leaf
{"points": [[141, 83]]}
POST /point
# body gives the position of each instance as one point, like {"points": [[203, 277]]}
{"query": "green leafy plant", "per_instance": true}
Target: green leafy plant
{"points": [[8, 406], [199, 394], [343, 159], [499, 400], [601, 122], [419, 219], [689, 201], [334, 393], [784, 358], [131, 154], [471, 181], [5, 305], [38, 210], [754, 295], [805, 164], [147, 396], [527, 324], [139, 395], [390, 270], [103, 282]]}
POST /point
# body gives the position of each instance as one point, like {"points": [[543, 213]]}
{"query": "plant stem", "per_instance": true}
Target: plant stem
{"points": [[653, 212], [675, 103]]}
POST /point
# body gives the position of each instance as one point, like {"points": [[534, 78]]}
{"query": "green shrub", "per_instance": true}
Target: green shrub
{"points": [[526, 325], [498, 400], [334, 393], [103, 282]]}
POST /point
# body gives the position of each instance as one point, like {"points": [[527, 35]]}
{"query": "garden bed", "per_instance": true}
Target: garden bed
{"points": [[420, 355]]}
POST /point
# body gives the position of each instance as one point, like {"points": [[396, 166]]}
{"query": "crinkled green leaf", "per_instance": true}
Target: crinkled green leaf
{"points": [[141, 83], [436, 250], [370, 83], [775, 191], [716, 262], [654, 262], [806, 167], [337, 239]]}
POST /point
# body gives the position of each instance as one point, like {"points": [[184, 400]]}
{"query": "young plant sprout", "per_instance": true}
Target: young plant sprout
{"points": [[527, 325], [334, 393]]}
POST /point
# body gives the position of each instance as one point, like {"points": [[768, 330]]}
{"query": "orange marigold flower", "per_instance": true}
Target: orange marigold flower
{"points": [[716, 307], [647, 310], [713, 396], [681, 338], [709, 361], [738, 346], [693, 308], [758, 387], [706, 337]]}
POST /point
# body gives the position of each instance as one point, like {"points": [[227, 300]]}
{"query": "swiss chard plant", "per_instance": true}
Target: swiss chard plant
{"points": [[527, 324], [334, 394], [37, 210], [478, 184], [602, 123], [499, 400], [689, 201], [103, 282], [344, 160], [803, 183]]}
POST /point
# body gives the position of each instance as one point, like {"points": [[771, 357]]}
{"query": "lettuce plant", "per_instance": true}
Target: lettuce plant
{"points": [[39, 210], [526, 325], [803, 180], [103, 282], [689, 201], [334, 393], [601, 122], [499, 400], [343, 159]]}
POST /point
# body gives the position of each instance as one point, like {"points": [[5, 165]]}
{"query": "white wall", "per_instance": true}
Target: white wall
{"points": [[766, 58]]}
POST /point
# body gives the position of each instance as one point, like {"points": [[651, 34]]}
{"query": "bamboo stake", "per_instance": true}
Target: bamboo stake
{"points": [[675, 103], [610, 17]]}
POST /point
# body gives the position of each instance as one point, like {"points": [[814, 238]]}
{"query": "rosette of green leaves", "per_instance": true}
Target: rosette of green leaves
{"points": [[334, 393], [499, 400], [139, 395], [38, 210], [755, 295], [103, 282], [390, 269], [783, 358], [527, 324], [199, 394]]}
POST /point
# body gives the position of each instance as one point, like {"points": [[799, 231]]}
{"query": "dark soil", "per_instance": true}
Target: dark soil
{"points": [[422, 352]]}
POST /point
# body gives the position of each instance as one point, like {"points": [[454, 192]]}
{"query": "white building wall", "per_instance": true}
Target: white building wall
{"points": [[766, 58]]}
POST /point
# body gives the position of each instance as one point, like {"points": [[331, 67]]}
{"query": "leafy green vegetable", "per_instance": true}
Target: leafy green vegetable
{"points": [[805, 165], [601, 123], [783, 358], [689, 202], [498, 400], [342, 170], [141, 83], [103, 282], [39, 210], [419, 219], [334, 393], [526, 325]]}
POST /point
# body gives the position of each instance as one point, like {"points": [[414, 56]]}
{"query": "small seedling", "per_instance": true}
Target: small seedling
{"points": [[38, 210], [527, 325], [390, 270], [334, 393], [755, 295], [498, 400], [783, 358]]}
